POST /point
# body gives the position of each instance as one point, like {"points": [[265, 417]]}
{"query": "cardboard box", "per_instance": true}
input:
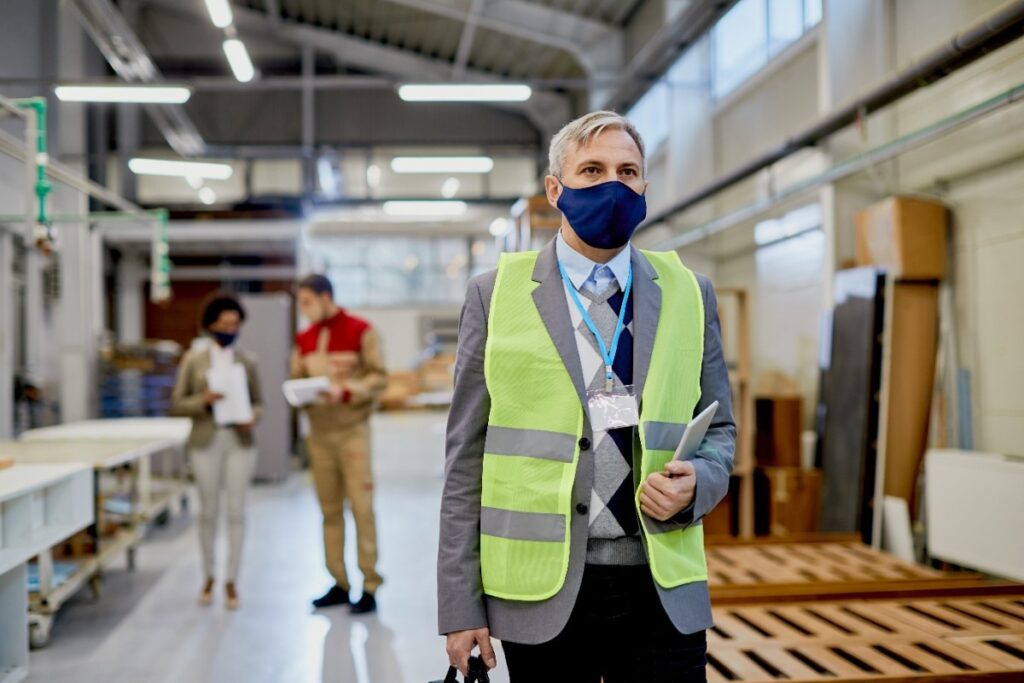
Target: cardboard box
{"points": [[787, 500], [401, 387], [904, 235], [723, 519], [437, 374], [910, 379], [779, 420]]}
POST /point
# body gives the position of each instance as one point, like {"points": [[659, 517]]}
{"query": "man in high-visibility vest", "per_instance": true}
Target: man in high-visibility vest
{"points": [[568, 531]]}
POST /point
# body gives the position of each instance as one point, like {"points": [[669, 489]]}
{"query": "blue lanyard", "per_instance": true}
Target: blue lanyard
{"points": [[607, 354]]}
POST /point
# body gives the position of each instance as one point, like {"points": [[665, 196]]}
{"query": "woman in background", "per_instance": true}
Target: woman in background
{"points": [[223, 456]]}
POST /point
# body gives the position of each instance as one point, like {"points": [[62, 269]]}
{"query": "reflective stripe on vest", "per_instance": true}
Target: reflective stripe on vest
{"points": [[531, 449]]}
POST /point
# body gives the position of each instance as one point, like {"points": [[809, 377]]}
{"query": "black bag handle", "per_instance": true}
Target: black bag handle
{"points": [[477, 673]]}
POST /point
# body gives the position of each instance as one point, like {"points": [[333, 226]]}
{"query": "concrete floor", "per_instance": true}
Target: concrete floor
{"points": [[146, 626]]}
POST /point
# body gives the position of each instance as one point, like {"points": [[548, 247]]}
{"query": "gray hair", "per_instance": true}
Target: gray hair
{"points": [[584, 129]]}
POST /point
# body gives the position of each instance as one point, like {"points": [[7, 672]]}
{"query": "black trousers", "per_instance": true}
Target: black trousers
{"points": [[618, 632]]}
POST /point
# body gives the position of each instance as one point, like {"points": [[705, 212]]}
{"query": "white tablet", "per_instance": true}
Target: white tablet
{"points": [[694, 434], [301, 392]]}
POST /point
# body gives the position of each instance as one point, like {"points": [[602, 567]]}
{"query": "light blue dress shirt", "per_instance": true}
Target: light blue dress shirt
{"points": [[590, 276]]}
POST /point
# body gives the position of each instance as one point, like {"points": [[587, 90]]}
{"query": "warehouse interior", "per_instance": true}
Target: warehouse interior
{"points": [[849, 174]]}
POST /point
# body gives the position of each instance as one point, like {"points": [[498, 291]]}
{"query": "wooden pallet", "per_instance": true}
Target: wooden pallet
{"points": [[947, 639], [773, 571]]}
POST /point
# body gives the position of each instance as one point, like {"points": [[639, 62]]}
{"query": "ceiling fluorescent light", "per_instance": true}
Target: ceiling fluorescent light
{"points": [[425, 209], [464, 92], [142, 94], [442, 164], [238, 59], [500, 227], [184, 169], [207, 196], [450, 187], [220, 12]]}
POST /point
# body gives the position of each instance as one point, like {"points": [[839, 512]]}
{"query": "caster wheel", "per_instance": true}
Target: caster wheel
{"points": [[39, 631]]}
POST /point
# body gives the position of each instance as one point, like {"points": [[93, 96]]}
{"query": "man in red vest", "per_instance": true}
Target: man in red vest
{"points": [[347, 351]]}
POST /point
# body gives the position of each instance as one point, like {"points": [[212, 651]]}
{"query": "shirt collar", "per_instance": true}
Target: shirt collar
{"points": [[578, 267]]}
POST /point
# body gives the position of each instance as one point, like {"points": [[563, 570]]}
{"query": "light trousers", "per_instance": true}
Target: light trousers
{"points": [[224, 464], [340, 462]]}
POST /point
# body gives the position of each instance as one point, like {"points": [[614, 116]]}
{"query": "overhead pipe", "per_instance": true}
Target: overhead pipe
{"points": [[1002, 28], [848, 167]]}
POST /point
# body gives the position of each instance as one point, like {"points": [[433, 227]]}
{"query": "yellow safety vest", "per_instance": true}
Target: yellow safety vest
{"points": [[536, 421]]}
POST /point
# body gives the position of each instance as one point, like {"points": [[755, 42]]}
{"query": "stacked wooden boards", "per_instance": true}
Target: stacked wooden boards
{"points": [[831, 609], [926, 639], [771, 572]]}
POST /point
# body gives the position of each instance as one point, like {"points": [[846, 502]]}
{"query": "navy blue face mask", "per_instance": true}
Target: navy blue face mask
{"points": [[604, 216], [225, 339]]}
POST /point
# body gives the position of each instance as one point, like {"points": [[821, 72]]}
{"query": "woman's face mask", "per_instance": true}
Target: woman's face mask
{"points": [[605, 215], [224, 339]]}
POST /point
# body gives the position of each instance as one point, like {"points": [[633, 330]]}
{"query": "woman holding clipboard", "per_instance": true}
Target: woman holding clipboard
{"points": [[218, 388]]}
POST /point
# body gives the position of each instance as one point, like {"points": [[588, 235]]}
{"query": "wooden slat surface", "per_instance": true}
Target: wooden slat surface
{"points": [[753, 572], [808, 562], [918, 639]]}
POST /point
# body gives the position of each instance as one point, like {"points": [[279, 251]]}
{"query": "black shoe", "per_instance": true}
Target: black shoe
{"points": [[335, 596], [366, 604]]}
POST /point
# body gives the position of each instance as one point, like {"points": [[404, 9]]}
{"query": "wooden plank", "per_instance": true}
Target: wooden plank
{"points": [[719, 541], [985, 647], [930, 663], [789, 665], [968, 655], [995, 621], [736, 629], [742, 666], [876, 659], [1003, 607], [833, 662], [725, 595]]}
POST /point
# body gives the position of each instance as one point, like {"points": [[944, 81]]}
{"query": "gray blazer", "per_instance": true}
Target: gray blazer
{"points": [[461, 601]]}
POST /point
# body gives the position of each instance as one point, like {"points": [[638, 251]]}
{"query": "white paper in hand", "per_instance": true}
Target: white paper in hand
{"points": [[302, 392], [236, 406]]}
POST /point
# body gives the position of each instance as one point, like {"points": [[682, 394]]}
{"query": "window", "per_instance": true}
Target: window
{"points": [[402, 271], [651, 116], [739, 44], [753, 32]]}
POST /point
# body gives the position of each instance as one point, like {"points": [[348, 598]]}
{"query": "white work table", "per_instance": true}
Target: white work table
{"points": [[120, 474], [174, 428], [40, 506]]}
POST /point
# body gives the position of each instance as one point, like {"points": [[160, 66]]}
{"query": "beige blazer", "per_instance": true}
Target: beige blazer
{"points": [[187, 398]]}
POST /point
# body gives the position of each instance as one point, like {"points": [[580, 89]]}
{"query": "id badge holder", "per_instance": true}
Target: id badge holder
{"points": [[613, 409]]}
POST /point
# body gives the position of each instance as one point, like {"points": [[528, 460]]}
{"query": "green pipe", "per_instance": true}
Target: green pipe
{"points": [[42, 186], [98, 216]]}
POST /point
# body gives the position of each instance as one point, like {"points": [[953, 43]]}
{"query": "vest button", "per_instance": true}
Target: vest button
{"points": [[584, 444], [582, 508]]}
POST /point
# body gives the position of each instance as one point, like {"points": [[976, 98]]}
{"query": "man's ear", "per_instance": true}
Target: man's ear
{"points": [[553, 190]]}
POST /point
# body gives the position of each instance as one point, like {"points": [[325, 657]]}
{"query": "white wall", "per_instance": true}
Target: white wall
{"points": [[978, 171]]}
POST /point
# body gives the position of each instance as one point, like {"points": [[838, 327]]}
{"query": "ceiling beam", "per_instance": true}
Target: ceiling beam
{"points": [[466, 39], [128, 58], [597, 46], [273, 8], [548, 111], [678, 27]]}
